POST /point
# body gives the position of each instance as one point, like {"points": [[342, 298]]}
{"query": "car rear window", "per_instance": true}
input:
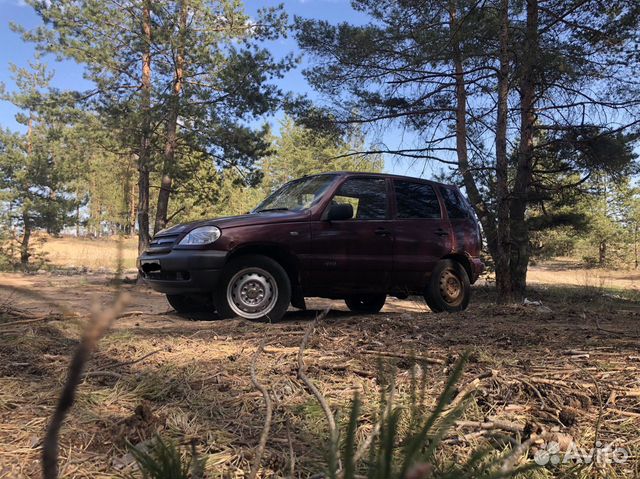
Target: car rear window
{"points": [[416, 200], [454, 203]]}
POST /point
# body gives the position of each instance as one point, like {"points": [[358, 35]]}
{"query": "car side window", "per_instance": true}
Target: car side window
{"points": [[416, 200], [454, 203], [368, 196]]}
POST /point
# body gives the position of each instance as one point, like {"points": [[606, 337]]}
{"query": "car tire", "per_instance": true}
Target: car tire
{"points": [[253, 287], [449, 289], [366, 303], [185, 303]]}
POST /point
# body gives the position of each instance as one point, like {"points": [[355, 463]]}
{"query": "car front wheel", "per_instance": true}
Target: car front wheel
{"points": [[366, 303], [253, 287], [449, 289]]}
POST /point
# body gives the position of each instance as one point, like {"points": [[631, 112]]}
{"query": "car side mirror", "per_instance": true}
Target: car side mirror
{"points": [[340, 211]]}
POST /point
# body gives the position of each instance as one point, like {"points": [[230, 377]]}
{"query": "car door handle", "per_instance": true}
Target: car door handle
{"points": [[382, 232], [441, 232]]}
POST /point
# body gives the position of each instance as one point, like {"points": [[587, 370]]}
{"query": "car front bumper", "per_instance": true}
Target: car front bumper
{"points": [[182, 271]]}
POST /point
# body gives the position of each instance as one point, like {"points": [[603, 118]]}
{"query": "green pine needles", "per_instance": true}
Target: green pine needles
{"points": [[400, 446]]}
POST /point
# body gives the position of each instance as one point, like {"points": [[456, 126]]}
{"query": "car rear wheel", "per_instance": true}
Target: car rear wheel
{"points": [[253, 287], [449, 289], [366, 303]]}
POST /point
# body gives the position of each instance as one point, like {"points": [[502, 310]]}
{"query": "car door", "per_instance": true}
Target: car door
{"points": [[355, 255], [421, 235], [463, 223]]}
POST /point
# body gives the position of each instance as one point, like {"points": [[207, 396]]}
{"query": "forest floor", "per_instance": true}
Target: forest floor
{"points": [[568, 362]]}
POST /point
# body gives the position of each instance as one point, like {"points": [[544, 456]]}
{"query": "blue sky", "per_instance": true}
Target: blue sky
{"points": [[69, 75]]}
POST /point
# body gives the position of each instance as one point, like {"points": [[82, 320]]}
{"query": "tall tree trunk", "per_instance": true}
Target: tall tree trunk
{"points": [[503, 242], [26, 221], [486, 217], [77, 219], [602, 253], [24, 243], [519, 197], [172, 124], [132, 209], [144, 155], [635, 244]]}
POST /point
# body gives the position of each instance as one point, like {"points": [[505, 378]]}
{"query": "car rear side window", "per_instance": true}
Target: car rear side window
{"points": [[368, 196], [416, 200], [454, 203]]}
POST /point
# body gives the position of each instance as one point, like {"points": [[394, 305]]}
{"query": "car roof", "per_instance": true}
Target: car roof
{"points": [[383, 175]]}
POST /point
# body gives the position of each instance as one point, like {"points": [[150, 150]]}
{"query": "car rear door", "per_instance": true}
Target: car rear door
{"points": [[463, 222], [421, 234], [355, 255]]}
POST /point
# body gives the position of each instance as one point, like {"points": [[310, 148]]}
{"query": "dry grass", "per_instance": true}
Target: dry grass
{"points": [[194, 381], [568, 271], [87, 253]]}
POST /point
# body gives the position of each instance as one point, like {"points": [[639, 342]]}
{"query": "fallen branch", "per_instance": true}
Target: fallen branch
{"points": [[131, 313], [470, 387], [37, 319], [611, 331], [267, 421], [411, 357], [623, 413], [109, 374], [292, 454], [31, 293], [491, 425], [135, 361], [509, 462], [346, 368]]}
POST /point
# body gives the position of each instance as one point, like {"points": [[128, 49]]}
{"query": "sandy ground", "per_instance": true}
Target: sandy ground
{"points": [[558, 366]]}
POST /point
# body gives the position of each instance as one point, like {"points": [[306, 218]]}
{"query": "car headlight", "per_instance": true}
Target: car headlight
{"points": [[200, 236]]}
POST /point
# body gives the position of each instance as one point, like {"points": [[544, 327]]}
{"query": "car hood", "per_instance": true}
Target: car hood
{"points": [[254, 219]]}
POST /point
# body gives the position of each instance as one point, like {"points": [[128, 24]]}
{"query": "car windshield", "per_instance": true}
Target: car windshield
{"points": [[296, 195]]}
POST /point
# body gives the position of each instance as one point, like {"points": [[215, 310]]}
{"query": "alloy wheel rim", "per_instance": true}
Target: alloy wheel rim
{"points": [[252, 293]]}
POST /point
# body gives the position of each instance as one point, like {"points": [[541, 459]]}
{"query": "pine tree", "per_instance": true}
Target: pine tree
{"points": [[300, 151], [175, 79], [559, 67], [35, 168]]}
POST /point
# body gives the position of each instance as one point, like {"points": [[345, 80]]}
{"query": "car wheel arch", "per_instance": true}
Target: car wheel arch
{"points": [[463, 259], [282, 256]]}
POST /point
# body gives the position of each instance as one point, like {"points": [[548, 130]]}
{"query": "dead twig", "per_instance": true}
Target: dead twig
{"points": [[470, 387], [135, 361], [292, 454], [626, 334], [131, 313], [510, 460], [100, 322], [623, 413], [333, 431], [109, 374], [37, 319], [491, 425], [31, 293], [412, 357], [267, 421]]}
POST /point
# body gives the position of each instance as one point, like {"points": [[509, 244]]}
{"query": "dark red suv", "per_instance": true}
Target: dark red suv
{"points": [[352, 236]]}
